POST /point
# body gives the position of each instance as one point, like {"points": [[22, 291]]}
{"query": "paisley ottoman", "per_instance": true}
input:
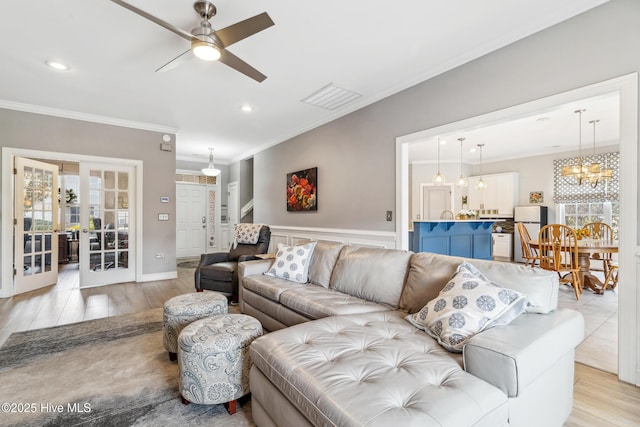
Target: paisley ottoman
{"points": [[181, 310], [213, 359]]}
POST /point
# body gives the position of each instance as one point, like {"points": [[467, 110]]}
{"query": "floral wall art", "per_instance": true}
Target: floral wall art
{"points": [[302, 190]]}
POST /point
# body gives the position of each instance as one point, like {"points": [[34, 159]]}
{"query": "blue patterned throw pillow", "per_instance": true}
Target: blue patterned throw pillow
{"points": [[468, 304], [292, 262]]}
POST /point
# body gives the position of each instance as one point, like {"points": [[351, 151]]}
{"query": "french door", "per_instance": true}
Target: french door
{"points": [[107, 220], [36, 225]]}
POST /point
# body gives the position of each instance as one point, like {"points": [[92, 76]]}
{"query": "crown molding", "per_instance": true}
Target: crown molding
{"points": [[75, 115]]}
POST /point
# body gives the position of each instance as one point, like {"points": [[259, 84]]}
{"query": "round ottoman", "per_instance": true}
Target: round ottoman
{"points": [[213, 359], [181, 310]]}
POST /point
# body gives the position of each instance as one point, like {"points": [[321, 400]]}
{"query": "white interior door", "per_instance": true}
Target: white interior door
{"points": [[234, 209], [435, 200], [191, 220], [36, 225], [107, 223]]}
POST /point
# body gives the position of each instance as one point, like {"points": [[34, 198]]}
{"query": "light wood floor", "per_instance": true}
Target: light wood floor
{"points": [[599, 398]]}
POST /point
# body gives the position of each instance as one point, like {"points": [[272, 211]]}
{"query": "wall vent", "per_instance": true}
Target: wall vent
{"points": [[331, 97]]}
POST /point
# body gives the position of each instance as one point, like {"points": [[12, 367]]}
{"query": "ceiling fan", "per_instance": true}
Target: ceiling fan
{"points": [[209, 44]]}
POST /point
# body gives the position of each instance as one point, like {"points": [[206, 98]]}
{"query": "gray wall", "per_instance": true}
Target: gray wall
{"points": [[355, 154], [46, 133]]}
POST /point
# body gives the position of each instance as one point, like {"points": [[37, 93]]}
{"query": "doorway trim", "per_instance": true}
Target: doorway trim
{"points": [[629, 255], [6, 249], [432, 185]]}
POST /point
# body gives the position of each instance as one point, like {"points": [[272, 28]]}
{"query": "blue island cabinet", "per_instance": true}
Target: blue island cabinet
{"points": [[469, 239]]}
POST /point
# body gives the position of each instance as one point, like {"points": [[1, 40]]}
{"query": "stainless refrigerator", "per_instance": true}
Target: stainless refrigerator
{"points": [[533, 218]]}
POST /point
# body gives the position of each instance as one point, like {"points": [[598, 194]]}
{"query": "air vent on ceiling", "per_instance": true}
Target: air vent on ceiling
{"points": [[331, 97]]}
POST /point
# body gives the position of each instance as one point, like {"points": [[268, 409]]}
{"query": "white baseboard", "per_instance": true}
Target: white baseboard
{"points": [[159, 276], [366, 238]]}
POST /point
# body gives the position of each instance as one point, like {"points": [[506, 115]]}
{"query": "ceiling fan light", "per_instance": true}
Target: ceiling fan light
{"points": [[205, 50]]}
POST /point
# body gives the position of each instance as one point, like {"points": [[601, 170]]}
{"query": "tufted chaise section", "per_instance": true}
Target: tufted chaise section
{"points": [[373, 369], [342, 353]]}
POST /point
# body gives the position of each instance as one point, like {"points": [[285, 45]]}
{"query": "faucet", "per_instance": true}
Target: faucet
{"points": [[446, 213]]}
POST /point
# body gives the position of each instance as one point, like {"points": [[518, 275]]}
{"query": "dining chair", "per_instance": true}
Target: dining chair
{"points": [[612, 277], [529, 254], [558, 251], [601, 231]]}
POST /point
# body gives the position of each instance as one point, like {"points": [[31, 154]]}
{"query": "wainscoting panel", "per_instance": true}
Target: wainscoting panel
{"points": [[293, 235]]}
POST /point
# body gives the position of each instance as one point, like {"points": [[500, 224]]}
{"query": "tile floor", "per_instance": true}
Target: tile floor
{"points": [[600, 346]]}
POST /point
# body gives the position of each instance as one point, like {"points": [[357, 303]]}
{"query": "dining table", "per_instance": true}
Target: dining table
{"points": [[587, 248]]}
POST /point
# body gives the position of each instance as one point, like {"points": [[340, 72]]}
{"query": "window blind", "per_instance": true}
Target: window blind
{"points": [[605, 191]]}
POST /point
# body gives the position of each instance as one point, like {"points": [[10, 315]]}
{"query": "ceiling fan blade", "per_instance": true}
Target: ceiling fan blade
{"points": [[173, 29], [243, 29], [230, 60], [175, 62]]}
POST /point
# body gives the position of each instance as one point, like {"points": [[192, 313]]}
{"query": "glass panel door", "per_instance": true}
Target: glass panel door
{"points": [[36, 225], [106, 252]]}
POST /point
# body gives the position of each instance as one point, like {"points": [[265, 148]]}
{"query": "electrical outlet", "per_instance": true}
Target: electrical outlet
{"points": [[389, 215], [160, 255]]}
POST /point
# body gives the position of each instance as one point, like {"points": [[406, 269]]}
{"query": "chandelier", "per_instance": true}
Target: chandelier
{"points": [[584, 171]]}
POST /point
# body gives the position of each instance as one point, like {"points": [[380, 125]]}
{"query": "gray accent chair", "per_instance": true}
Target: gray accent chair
{"points": [[219, 271]]}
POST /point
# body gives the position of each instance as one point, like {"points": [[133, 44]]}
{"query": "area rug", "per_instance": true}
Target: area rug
{"points": [[105, 372], [189, 264]]}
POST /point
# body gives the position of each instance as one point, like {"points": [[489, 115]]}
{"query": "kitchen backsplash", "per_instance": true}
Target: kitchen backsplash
{"points": [[507, 226]]}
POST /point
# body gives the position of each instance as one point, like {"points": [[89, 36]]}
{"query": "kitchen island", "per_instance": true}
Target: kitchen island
{"points": [[464, 238]]}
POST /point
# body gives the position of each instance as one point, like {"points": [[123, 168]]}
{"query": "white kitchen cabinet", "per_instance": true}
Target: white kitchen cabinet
{"points": [[500, 194], [502, 246]]}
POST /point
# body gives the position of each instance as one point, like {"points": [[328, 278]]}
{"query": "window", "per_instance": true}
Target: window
{"points": [[576, 215]]}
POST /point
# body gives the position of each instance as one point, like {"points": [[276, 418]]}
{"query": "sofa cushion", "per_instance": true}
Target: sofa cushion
{"points": [[292, 262], [467, 305], [268, 287], [429, 272], [374, 369], [372, 274], [323, 260], [222, 271], [316, 302]]}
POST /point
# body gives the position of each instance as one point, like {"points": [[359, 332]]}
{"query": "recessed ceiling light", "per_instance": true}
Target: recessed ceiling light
{"points": [[247, 108], [443, 142], [57, 65], [472, 150]]}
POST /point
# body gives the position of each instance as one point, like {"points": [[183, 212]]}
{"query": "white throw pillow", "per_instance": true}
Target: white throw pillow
{"points": [[292, 262], [467, 305]]}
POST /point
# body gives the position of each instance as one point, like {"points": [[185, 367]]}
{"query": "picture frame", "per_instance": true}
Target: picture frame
{"points": [[536, 197], [302, 190]]}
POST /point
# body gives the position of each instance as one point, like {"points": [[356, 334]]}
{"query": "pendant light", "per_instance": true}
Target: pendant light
{"points": [[438, 179], [211, 169], [462, 181], [481, 185]]}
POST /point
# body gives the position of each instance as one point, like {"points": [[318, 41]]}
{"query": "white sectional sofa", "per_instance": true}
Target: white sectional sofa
{"points": [[343, 354]]}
